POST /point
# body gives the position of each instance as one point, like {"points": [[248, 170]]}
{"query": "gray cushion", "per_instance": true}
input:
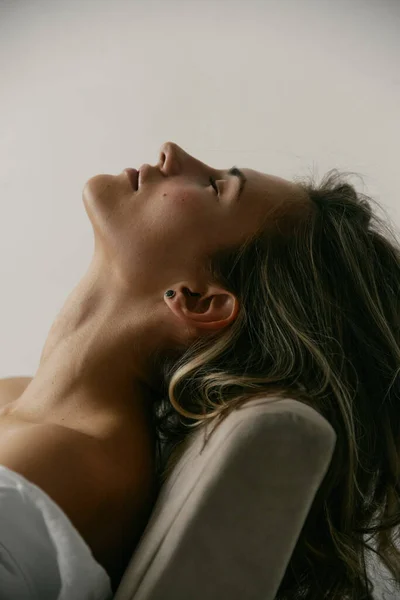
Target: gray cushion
{"points": [[228, 517]]}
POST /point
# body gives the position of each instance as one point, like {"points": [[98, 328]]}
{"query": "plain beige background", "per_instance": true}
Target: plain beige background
{"points": [[288, 87]]}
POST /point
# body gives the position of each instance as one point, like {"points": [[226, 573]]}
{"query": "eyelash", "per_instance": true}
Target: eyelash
{"points": [[212, 181], [214, 184]]}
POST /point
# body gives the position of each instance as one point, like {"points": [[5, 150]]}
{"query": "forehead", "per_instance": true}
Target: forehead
{"points": [[271, 186]]}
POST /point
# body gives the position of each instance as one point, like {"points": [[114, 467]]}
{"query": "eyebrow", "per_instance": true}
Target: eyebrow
{"points": [[238, 173]]}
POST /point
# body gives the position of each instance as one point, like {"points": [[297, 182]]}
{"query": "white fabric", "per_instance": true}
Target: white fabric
{"points": [[42, 555]]}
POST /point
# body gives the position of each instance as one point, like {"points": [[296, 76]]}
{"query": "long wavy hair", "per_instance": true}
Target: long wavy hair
{"points": [[319, 321]]}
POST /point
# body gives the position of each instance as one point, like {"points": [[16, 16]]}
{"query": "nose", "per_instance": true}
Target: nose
{"points": [[169, 158], [174, 160]]}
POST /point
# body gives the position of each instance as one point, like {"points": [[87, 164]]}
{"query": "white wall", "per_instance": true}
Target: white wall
{"points": [[287, 87]]}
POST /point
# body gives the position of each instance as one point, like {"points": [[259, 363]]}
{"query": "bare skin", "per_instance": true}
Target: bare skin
{"points": [[85, 413], [85, 477]]}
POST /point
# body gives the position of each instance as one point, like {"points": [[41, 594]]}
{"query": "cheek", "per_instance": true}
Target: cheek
{"points": [[178, 219], [188, 202], [178, 196], [181, 193]]}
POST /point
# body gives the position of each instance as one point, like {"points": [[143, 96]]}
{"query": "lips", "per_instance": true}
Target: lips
{"points": [[133, 176]]}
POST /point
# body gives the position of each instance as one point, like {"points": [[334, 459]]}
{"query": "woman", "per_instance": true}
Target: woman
{"points": [[206, 288]]}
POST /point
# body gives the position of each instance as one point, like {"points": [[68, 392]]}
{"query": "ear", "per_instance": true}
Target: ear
{"points": [[212, 310]]}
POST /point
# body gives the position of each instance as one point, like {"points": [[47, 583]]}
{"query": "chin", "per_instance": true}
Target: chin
{"points": [[100, 189], [103, 197]]}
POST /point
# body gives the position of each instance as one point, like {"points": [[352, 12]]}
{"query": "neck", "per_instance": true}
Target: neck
{"points": [[93, 366]]}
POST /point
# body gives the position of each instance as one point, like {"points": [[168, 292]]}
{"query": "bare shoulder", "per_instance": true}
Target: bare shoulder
{"points": [[11, 388], [69, 466], [66, 463], [86, 478]]}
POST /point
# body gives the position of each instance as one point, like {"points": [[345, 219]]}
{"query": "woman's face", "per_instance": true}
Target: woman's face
{"points": [[162, 231]]}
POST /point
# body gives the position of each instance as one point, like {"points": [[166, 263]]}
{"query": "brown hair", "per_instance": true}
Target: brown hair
{"points": [[319, 321]]}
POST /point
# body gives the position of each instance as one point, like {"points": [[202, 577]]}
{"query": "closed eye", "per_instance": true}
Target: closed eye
{"points": [[214, 184], [232, 171]]}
